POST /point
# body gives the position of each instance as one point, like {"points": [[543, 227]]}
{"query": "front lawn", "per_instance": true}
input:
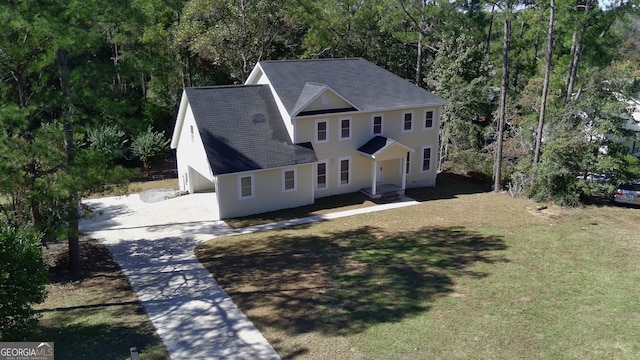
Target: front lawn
{"points": [[465, 274]]}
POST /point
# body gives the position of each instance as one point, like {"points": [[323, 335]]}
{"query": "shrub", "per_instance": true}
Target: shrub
{"points": [[149, 147], [22, 283]]}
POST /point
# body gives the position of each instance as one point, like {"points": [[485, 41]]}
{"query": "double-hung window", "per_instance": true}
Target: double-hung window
{"points": [[428, 119], [322, 131], [345, 129], [245, 187], [376, 124], [407, 122], [426, 159], [289, 180], [344, 171], [321, 175]]}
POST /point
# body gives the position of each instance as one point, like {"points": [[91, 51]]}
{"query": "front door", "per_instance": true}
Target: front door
{"points": [[379, 173]]}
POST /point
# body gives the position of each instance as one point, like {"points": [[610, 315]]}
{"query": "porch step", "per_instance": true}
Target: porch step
{"points": [[391, 196]]}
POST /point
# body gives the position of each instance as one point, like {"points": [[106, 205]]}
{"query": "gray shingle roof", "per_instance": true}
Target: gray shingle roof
{"points": [[242, 130], [367, 86], [375, 144]]}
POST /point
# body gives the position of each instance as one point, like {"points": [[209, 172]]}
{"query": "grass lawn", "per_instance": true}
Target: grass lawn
{"points": [[465, 274], [97, 317]]}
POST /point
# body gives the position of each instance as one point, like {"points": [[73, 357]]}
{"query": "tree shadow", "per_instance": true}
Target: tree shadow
{"points": [[345, 282], [449, 186]]}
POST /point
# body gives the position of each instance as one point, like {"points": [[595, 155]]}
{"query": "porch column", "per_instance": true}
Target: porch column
{"points": [[403, 167], [374, 175]]}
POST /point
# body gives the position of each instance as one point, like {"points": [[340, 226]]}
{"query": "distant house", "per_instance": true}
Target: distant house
{"points": [[303, 129]]}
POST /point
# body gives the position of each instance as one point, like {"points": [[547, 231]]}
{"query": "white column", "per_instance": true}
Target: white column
{"points": [[403, 166], [374, 175]]}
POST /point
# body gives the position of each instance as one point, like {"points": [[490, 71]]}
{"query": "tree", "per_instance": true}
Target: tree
{"points": [[234, 35], [504, 88], [47, 106], [545, 86], [22, 283], [149, 146]]}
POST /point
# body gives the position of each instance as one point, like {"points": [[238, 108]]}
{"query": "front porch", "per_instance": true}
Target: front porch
{"points": [[387, 192]]}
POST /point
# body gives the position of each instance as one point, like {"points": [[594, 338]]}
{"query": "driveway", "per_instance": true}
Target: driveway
{"points": [[154, 245]]}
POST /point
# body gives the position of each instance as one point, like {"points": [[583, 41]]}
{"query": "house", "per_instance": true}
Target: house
{"points": [[298, 130]]}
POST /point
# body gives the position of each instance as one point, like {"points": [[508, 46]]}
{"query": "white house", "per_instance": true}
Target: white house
{"points": [[298, 130]]}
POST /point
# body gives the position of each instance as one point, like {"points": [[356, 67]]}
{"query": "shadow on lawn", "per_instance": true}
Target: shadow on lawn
{"points": [[344, 282], [448, 186]]}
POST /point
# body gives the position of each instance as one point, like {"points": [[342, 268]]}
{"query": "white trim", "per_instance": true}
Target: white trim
{"points": [[253, 186], [349, 174], [349, 119], [295, 179], [403, 121], [326, 175], [422, 158], [433, 120], [373, 116], [315, 131]]}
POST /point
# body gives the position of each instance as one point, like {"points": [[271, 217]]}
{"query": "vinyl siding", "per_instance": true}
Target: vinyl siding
{"points": [[361, 166], [191, 158], [268, 193]]}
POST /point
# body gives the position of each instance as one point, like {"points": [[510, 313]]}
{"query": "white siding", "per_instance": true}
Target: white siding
{"points": [[268, 193], [191, 158]]}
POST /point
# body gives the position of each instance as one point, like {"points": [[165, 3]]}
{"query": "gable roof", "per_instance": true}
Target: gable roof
{"points": [[365, 85], [379, 144], [312, 91], [242, 130]]}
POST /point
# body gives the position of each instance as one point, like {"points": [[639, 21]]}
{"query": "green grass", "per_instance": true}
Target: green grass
{"points": [[465, 274]]}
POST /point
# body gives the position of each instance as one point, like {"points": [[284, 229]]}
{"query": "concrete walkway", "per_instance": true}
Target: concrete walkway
{"points": [[154, 245]]}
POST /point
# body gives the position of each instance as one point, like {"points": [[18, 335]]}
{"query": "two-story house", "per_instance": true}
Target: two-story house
{"points": [[298, 130]]}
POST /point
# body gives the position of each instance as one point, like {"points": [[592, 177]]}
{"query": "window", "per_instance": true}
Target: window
{"points": [[345, 129], [428, 119], [192, 133], [246, 186], [289, 180], [345, 165], [407, 124], [408, 162], [426, 159], [322, 131], [376, 124], [321, 177]]}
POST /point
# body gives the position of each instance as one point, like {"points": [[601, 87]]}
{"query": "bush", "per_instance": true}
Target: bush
{"points": [[149, 147], [22, 283], [109, 141], [555, 175], [472, 163]]}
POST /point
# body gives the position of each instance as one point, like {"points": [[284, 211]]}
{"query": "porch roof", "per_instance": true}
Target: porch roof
{"points": [[379, 145]]}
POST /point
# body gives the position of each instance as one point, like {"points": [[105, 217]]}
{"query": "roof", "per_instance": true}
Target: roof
{"points": [[233, 120], [378, 144], [367, 86]]}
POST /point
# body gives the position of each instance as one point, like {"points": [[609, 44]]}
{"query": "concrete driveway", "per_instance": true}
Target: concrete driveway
{"points": [[154, 245]]}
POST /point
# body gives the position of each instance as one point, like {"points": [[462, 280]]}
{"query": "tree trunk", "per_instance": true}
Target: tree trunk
{"points": [[577, 45], [545, 86], [70, 149], [488, 46], [419, 60], [504, 86]]}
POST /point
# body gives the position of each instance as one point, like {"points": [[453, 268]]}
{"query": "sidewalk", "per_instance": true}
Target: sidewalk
{"points": [[154, 245]]}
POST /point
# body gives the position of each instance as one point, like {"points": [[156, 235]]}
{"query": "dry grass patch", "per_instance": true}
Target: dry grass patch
{"points": [[98, 316]]}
